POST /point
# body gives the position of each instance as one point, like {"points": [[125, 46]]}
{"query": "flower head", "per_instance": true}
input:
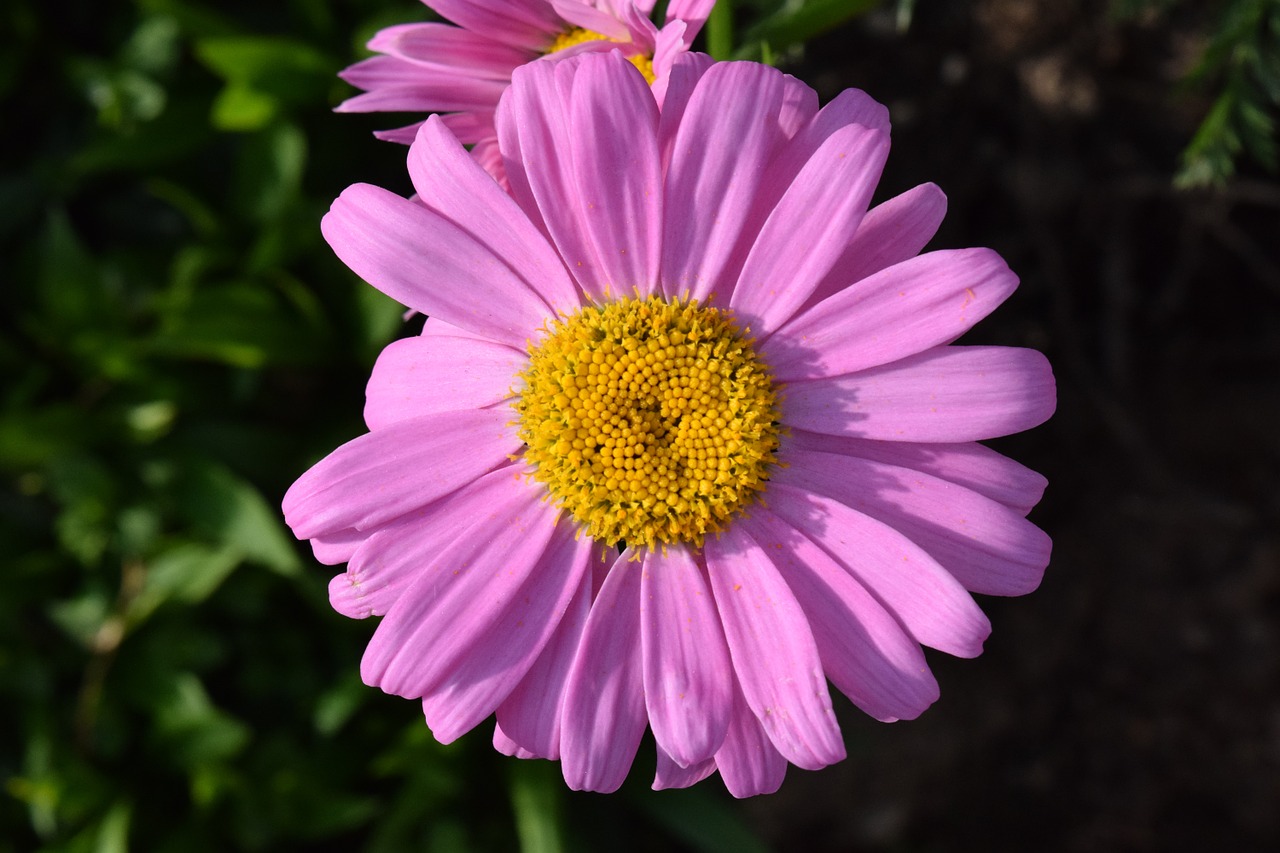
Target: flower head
{"points": [[684, 438], [462, 70]]}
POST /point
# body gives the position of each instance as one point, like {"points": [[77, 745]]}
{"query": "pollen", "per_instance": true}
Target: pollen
{"points": [[578, 35], [650, 421]]}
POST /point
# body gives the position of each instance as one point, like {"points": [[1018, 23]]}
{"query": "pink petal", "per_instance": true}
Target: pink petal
{"points": [[535, 138], [500, 640], [454, 185], [673, 93], [688, 678], [671, 775], [669, 45], [507, 746], [532, 711], [748, 762], [969, 464], [463, 593], [692, 12], [589, 18], [428, 375], [798, 108], [864, 650], [727, 134], [988, 547], [924, 302], [467, 128], [944, 394], [404, 135], [773, 651], [522, 24], [428, 263], [613, 136], [446, 47], [382, 475], [604, 715], [389, 561], [394, 85], [338, 546], [929, 602], [890, 233], [829, 196]]}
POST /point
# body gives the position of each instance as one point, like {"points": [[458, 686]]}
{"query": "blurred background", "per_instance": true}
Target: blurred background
{"points": [[177, 344]]}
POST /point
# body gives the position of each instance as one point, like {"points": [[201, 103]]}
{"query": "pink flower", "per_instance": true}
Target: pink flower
{"points": [[682, 334], [462, 71]]}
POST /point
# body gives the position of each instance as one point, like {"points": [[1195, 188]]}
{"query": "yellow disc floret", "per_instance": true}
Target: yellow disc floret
{"points": [[578, 35], [650, 421]]}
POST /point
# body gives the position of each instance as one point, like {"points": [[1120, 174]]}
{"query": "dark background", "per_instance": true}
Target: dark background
{"points": [[1133, 701], [178, 344]]}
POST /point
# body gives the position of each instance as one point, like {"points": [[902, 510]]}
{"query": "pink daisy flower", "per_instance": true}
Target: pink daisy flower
{"points": [[684, 438], [462, 71]]}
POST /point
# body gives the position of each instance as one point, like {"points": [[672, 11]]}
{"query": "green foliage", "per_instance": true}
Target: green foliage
{"points": [[1241, 63], [1245, 56]]}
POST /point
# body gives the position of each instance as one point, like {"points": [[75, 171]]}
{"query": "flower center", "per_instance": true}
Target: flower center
{"points": [[578, 35], [649, 420]]}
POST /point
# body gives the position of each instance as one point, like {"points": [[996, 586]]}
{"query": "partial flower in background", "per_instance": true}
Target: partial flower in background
{"points": [[685, 436], [461, 71]]}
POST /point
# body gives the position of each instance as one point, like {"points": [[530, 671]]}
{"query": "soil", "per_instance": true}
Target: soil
{"points": [[1133, 701]]}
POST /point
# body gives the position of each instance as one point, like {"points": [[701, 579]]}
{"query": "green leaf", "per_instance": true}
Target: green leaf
{"points": [[222, 506], [242, 108], [535, 799], [796, 23], [702, 821], [240, 324], [187, 573], [269, 171], [191, 730]]}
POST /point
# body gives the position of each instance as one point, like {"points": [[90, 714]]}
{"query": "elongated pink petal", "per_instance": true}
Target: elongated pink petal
{"points": [[688, 678], [531, 713], [718, 158], [988, 547], [944, 394], [492, 644], [450, 182], [391, 84], [890, 233], [590, 18], [427, 263], [673, 92], [748, 761], [920, 303], [969, 464], [604, 715], [864, 650], [613, 123], [925, 598], [669, 45], [533, 130], [434, 45], [389, 561], [337, 547], [427, 375], [773, 651], [693, 12], [507, 746], [521, 24], [461, 594], [831, 194], [383, 475], [468, 128], [670, 774]]}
